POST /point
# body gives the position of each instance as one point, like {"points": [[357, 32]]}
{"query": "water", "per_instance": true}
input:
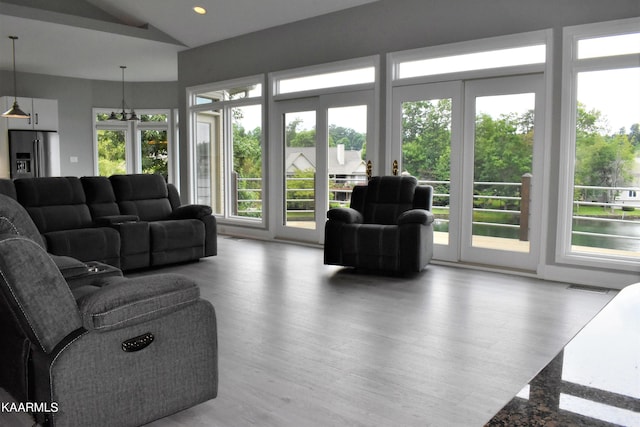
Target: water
{"points": [[631, 229]]}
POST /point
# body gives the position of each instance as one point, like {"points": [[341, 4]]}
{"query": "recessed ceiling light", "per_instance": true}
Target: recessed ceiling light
{"points": [[199, 10]]}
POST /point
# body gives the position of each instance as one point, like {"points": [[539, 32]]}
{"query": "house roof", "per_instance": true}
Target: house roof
{"points": [[341, 161]]}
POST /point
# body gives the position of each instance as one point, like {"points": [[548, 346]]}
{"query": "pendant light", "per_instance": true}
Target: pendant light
{"points": [[123, 115], [15, 112]]}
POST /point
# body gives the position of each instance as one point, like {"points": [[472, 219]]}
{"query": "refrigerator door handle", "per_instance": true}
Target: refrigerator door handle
{"points": [[37, 157]]}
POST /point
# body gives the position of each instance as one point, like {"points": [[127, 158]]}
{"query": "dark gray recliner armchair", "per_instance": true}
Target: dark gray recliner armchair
{"points": [[119, 352], [388, 226]]}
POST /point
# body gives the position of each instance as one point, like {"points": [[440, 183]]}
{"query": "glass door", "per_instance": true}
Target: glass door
{"points": [[474, 143], [427, 136], [322, 156], [502, 169]]}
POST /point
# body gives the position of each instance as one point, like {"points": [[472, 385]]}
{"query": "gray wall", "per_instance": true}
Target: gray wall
{"points": [[393, 25], [76, 99]]}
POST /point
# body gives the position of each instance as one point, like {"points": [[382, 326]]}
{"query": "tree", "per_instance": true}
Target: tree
{"points": [[602, 160], [155, 152], [247, 164], [350, 138], [426, 139], [299, 138], [111, 153], [634, 136]]}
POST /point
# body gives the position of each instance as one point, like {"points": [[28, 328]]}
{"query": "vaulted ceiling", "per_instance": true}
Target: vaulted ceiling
{"points": [[92, 38]]}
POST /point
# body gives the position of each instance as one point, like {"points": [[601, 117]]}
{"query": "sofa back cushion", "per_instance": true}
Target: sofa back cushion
{"points": [[100, 196], [7, 188], [387, 197], [54, 203], [144, 195]]}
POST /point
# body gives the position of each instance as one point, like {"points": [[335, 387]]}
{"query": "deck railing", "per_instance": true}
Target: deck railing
{"points": [[496, 204]]}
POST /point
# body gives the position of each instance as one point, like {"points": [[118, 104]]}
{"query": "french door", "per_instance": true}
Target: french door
{"points": [[321, 156], [427, 142], [479, 143]]}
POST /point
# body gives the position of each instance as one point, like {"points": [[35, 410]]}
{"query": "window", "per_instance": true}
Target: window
{"points": [[322, 135], [473, 61], [601, 113], [226, 137], [133, 146], [351, 75]]}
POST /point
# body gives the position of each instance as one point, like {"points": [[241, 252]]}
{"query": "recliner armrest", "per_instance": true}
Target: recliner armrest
{"points": [[191, 212], [123, 302], [416, 216], [105, 221], [346, 215]]}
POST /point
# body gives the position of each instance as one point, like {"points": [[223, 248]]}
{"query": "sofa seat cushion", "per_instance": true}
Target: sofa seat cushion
{"points": [[371, 246], [176, 240]]}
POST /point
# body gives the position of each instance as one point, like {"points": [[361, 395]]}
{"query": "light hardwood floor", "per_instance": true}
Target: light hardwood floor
{"points": [[304, 344]]}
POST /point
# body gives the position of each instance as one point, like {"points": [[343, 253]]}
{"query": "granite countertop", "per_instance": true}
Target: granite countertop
{"points": [[593, 381]]}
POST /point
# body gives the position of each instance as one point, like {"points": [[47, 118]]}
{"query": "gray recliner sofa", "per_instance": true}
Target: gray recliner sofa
{"points": [[116, 352], [177, 232], [127, 221]]}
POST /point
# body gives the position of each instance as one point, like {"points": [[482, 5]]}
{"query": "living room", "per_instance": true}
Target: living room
{"points": [[381, 35]]}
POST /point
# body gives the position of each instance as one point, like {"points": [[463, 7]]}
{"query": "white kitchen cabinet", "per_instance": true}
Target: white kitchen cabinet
{"points": [[43, 112]]}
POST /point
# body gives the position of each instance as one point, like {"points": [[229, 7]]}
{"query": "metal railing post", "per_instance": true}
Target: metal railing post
{"points": [[525, 198]]}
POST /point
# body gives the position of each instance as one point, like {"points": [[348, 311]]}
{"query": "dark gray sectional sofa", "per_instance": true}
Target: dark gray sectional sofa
{"points": [[128, 221]]}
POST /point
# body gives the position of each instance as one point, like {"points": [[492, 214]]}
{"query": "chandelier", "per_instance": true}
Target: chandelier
{"points": [[123, 115]]}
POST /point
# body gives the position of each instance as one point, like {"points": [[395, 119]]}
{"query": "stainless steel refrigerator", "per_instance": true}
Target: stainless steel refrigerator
{"points": [[34, 153]]}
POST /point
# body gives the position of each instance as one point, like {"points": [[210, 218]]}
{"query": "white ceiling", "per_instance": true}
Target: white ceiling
{"points": [[64, 44]]}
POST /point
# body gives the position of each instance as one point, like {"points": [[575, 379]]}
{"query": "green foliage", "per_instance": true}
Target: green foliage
{"points": [[247, 165], [502, 152], [154, 152], [299, 138], [351, 139], [111, 153], [601, 159], [300, 192], [426, 139]]}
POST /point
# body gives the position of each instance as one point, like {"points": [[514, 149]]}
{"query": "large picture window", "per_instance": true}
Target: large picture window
{"points": [[226, 134], [601, 132]]}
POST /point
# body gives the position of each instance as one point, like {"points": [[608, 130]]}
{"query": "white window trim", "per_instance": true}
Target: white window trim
{"points": [[193, 107], [571, 66]]}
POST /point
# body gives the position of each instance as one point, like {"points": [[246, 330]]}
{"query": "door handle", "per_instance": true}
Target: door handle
{"points": [[394, 168], [369, 169]]}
